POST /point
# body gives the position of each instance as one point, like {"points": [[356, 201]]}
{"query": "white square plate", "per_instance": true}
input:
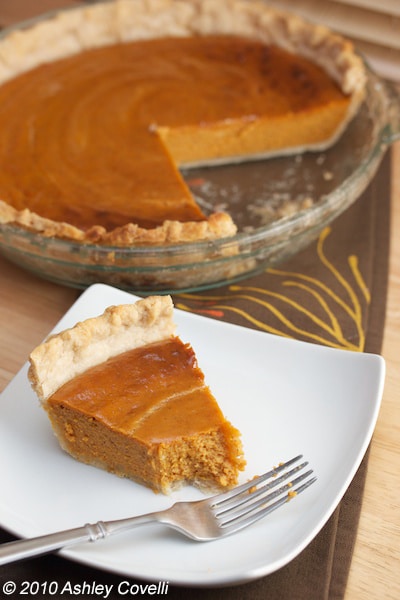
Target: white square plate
{"points": [[286, 397]]}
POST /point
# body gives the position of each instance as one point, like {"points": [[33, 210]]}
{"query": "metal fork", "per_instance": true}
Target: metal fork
{"points": [[202, 520]]}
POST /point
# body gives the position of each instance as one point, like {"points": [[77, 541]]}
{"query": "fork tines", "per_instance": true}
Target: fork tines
{"points": [[258, 497]]}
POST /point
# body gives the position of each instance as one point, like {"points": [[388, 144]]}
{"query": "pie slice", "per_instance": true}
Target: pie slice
{"points": [[103, 104], [124, 393]]}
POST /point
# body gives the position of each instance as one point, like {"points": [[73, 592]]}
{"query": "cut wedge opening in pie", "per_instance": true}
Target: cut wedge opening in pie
{"points": [[125, 394], [102, 105]]}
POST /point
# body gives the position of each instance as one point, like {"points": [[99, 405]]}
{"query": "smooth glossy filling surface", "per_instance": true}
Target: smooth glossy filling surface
{"points": [[156, 393], [148, 415], [97, 138]]}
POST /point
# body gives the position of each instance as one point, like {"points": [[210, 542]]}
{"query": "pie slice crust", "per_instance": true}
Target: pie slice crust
{"points": [[125, 394]]}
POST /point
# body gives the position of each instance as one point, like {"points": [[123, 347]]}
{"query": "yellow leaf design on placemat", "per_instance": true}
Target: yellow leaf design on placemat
{"points": [[332, 306]]}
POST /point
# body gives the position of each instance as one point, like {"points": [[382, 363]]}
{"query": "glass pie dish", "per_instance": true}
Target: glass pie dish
{"points": [[280, 206]]}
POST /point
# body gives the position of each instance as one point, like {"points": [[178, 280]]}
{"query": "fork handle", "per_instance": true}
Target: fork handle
{"points": [[44, 544]]}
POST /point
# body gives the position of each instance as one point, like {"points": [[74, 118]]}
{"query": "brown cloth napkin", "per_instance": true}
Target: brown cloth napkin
{"points": [[333, 293]]}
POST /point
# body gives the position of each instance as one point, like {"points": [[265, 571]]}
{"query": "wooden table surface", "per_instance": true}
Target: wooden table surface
{"points": [[30, 307]]}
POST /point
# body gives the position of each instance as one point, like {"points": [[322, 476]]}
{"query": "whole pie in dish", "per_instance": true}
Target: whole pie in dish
{"points": [[101, 106], [124, 393]]}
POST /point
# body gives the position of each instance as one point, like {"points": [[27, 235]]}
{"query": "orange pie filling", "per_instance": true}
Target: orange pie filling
{"points": [[146, 414], [95, 140]]}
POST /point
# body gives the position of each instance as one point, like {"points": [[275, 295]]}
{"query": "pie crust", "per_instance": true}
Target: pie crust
{"points": [[71, 32], [93, 341], [124, 394]]}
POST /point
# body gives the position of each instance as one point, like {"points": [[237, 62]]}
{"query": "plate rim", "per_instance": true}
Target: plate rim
{"points": [[217, 579]]}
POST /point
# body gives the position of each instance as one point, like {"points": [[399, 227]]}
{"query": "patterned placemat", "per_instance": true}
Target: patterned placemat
{"points": [[332, 293]]}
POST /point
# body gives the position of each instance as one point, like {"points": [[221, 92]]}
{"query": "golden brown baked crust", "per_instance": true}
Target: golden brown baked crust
{"points": [[71, 31], [218, 225], [71, 352], [74, 30], [124, 394]]}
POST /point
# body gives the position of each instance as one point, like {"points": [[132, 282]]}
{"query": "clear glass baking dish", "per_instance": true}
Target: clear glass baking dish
{"points": [[280, 205]]}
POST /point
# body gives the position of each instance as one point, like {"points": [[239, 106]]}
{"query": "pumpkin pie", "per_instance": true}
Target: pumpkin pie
{"points": [[125, 394], [103, 104]]}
